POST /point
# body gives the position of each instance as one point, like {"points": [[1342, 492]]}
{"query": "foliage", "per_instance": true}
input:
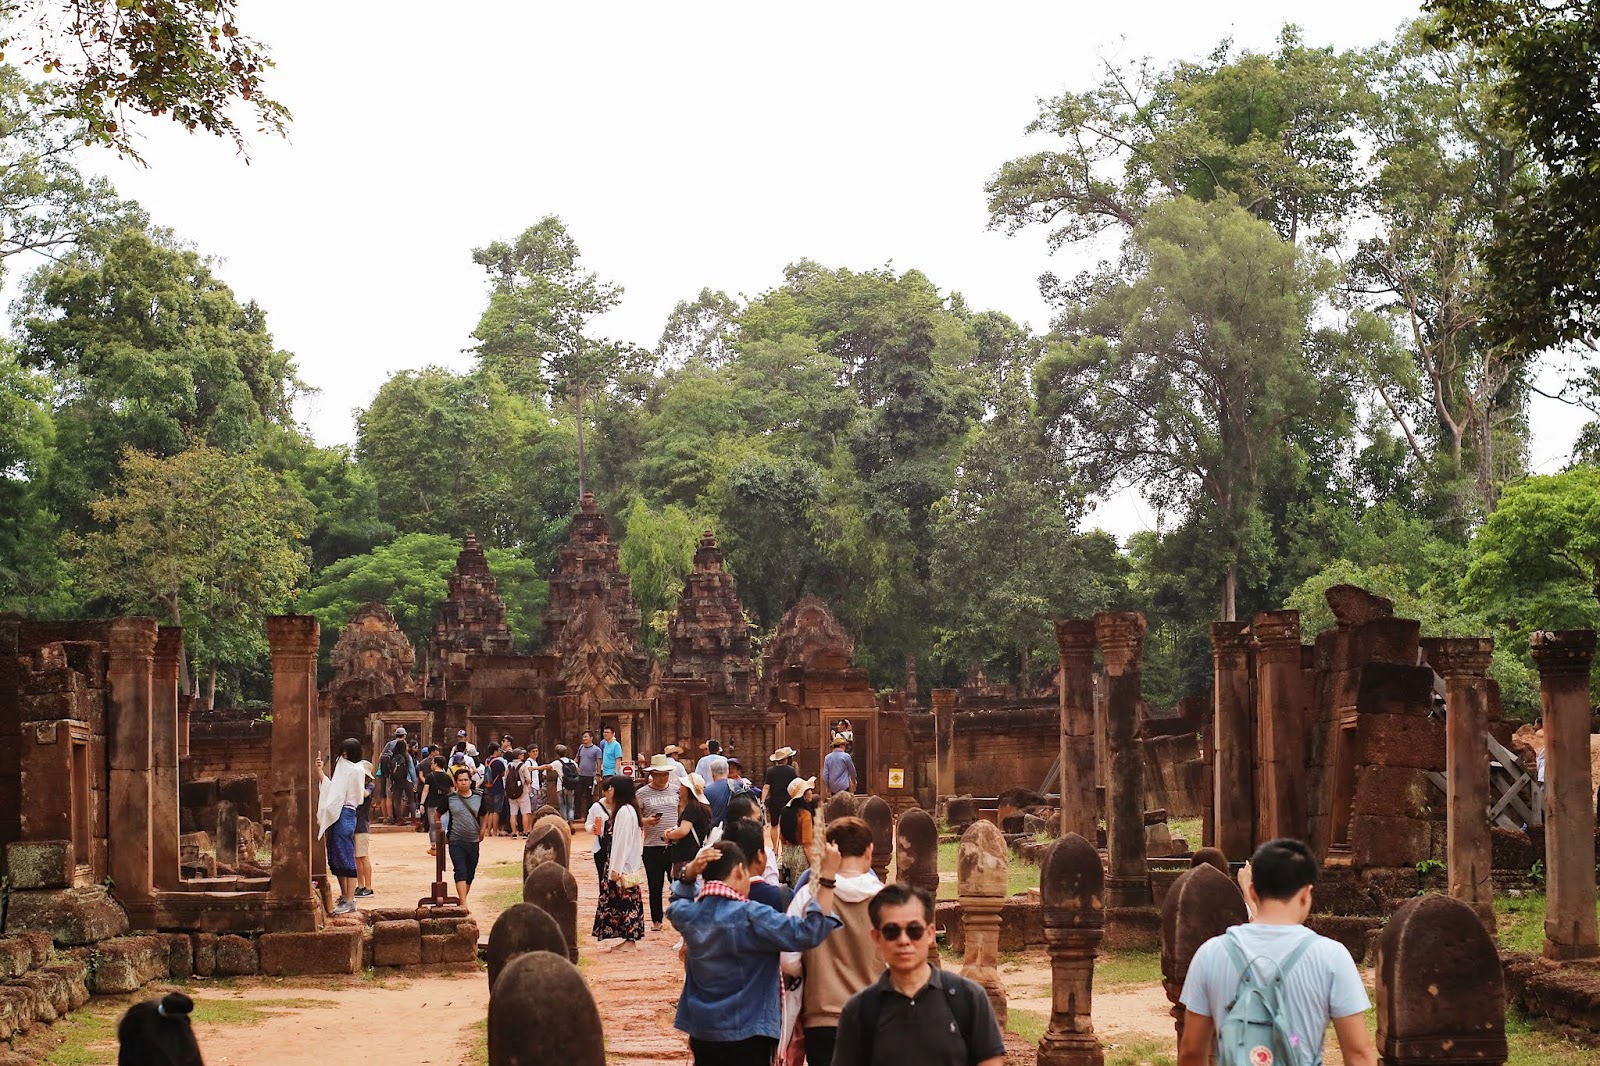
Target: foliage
{"points": [[30, 571], [1542, 58], [657, 554], [1536, 562], [342, 493], [211, 541], [184, 59], [410, 575]]}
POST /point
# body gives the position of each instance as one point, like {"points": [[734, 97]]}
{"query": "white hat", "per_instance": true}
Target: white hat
{"points": [[799, 785], [660, 764], [672, 749], [399, 730], [782, 754], [697, 785]]}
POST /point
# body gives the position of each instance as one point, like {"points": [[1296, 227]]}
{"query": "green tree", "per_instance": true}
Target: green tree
{"points": [[213, 542], [31, 576], [1536, 562], [700, 330], [410, 575], [657, 554], [147, 350], [1539, 56], [343, 494], [460, 453], [534, 333], [1187, 367]]}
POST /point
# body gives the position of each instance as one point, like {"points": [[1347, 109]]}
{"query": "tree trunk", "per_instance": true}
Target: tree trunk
{"points": [[1484, 446], [578, 396], [1024, 671], [211, 687], [1230, 592]]}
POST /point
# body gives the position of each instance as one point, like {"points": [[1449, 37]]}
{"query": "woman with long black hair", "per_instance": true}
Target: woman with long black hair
{"points": [[619, 913]]}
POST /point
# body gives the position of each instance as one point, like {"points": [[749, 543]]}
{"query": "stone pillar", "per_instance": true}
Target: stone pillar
{"points": [[1441, 994], [1233, 800], [1564, 660], [880, 819], [1202, 903], [1072, 905], [293, 639], [522, 928], [916, 850], [981, 878], [1464, 663], [540, 1001], [1121, 637], [944, 736], [164, 744], [1080, 811], [129, 679], [1280, 728]]}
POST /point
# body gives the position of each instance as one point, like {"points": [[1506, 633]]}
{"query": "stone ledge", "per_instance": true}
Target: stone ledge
{"points": [[332, 951], [71, 916], [32, 864], [126, 964]]}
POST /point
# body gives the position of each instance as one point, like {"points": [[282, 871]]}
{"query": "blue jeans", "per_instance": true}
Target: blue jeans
{"points": [[568, 801]]}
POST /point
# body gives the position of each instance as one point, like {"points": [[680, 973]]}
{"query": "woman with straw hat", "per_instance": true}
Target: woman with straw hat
{"points": [[796, 827], [694, 824]]}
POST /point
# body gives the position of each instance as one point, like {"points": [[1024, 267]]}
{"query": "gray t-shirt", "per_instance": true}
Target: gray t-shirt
{"points": [[1323, 985], [464, 817]]}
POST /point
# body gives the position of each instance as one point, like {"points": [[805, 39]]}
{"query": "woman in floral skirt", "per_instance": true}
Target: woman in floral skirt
{"points": [[619, 914]]}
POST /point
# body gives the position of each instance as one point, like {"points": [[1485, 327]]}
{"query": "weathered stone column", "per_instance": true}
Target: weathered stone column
{"points": [[1202, 903], [880, 819], [981, 878], [1463, 662], [1121, 637], [916, 850], [1072, 902], [129, 677], [164, 759], [293, 639], [1280, 727], [944, 737], [1233, 799], [1564, 660], [1079, 810], [1440, 990]]}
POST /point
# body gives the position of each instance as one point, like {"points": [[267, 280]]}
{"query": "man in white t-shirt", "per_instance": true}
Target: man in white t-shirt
{"points": [[1321, 985]]}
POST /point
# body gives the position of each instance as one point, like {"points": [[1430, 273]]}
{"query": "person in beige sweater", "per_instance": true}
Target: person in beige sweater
{"points": [[843, 964]]}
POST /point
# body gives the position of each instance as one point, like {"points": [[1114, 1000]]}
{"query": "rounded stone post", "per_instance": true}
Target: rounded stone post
{"points": [[880, 819], [1121, 637], [1565, 659], [1233, 738], [1280, 727], [1202, 903], [981, 878], [1441, 995], [554, 890], [1072, 901], [1464, 663], [522, 928], [916, 850], [540, 1010], [1079, 809]]}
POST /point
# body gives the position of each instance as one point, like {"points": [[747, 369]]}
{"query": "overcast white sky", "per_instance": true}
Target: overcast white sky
{"points": [[685, 145]]}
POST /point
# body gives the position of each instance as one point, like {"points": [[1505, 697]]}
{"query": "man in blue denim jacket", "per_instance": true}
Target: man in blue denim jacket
{"points": [[729, 1005]]}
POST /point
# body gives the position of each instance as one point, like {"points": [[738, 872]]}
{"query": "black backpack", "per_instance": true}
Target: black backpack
{"points": [[396, 760], [514, 780], [569, 775], [962, 1006]]}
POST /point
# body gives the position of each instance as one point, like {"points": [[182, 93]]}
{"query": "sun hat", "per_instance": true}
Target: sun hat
{"points": [[672, 749], [366, 768], [799, 785], [733, 760], [697, 785], [782, 754], [839, 741], [660, 764]]}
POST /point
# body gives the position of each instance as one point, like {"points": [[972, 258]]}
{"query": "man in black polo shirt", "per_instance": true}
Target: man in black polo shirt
{"points": [[915, 1015]]}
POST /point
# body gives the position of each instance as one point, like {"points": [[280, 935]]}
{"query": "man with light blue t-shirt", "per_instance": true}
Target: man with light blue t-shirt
{"points": [[1320, 983], [610, 752]]}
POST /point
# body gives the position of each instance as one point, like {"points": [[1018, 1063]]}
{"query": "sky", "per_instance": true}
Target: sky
{"points": [[684, 145]]}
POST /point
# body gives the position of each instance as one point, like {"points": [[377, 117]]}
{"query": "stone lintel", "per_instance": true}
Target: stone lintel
{"points": [[1075, 641], [1230, 641], [1563, 653], [1278, 634], [1121, 637], [1459, 656], [132, 640]]}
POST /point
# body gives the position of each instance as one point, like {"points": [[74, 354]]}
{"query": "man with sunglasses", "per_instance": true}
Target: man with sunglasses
{"points": [[915, 1014]]}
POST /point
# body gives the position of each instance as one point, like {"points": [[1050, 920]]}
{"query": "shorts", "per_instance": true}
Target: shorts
{"points": [[464, 858], [523, 804], [363, 845], [496, 804]]}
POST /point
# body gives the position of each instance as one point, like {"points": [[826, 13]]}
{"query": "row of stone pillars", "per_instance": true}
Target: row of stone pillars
{"points": [[1120, 636]]}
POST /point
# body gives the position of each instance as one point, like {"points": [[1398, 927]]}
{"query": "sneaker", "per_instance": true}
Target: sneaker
{"points": [[656, 926], [364, 892], [345, 907]]}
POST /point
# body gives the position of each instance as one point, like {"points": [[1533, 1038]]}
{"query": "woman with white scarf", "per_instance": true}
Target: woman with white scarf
{"points": [[337, 802], [619, 912]]}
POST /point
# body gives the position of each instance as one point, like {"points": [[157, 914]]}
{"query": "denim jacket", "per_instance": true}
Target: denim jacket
{"points": [[730, 981]]}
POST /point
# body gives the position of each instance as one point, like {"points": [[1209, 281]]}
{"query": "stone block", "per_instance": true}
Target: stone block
{"points": [[16, 957], [1021, 924], [1401, 740], [1350, 930], [1514, 850], [1395, 792], [1391, 887], [330, 951], [237, 957], [243, 791], [16, 1010], [40, 864], [1390, 688], [1132, 929], [201, 792], [38, 1000], [126, 964], [180, 956], [53, 987], [439, 926], [74, 975], [71, 916], [205, 954], [1376, 841], [397, 943], [43, 946], [1385, 640], [433, 949], [366, 953], [463, 946]]}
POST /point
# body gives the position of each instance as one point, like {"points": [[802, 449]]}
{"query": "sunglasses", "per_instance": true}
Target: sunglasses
{"points": [[891, 932]]}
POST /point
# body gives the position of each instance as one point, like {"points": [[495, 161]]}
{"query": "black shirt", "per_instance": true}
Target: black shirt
{"points": [[920, 1031], [439, 789], [778, 778]]}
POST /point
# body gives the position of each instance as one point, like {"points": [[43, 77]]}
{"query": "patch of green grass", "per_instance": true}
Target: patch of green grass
{"points": [[1187, 828], [1021, 877], [503, 870], [1529, 1046], [1142, 1051], [246, 1012], [90, 1037], [1127, 969], [1519, 922], [475, 1045], [1028, 1024]]}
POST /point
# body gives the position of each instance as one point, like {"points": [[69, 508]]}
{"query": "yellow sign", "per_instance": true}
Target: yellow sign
{"points": [[897, 777]]}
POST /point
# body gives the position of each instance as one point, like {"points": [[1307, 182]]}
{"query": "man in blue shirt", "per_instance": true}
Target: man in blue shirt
{"points": [[839, 769], [717, 792], [729, 1005], [610, 752]]}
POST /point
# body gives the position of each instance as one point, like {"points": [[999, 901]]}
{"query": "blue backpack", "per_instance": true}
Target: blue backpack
{"points": [[1254, 1034]]}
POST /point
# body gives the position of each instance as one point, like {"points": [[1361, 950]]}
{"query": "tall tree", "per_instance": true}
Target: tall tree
{"points": [[1187, 365], [701, 330], [30, 572], [534, 333], [214, 542]]}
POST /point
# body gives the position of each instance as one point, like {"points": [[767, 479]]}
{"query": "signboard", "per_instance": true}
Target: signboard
{"points": [[625, 768], [897, 777]]}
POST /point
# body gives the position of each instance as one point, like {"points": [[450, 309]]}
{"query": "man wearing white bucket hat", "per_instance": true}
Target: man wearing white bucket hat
{"points": [[775, 789]]}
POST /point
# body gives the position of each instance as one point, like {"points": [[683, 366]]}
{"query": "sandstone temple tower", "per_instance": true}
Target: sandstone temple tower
{"points": [[708, 637]]}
